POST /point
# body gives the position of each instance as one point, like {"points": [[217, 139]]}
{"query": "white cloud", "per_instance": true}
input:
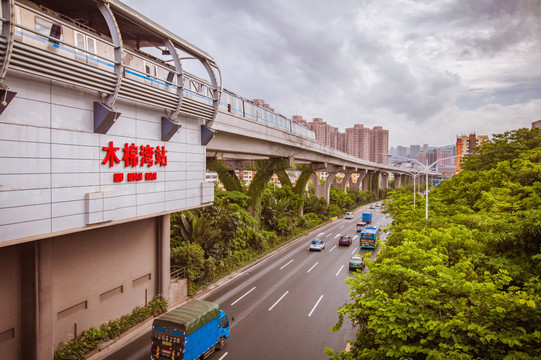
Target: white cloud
{"points": [[426, 71]]}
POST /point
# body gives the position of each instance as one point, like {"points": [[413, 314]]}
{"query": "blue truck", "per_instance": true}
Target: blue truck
{"points": [[191, 331], [367, 217]]}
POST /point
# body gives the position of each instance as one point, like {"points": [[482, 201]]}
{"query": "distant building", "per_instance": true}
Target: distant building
{"points": [[466, 144], [322, 131], [299, 120], [379, 144], [414, 150], [536, 124], [401, 151], [358, 141]]}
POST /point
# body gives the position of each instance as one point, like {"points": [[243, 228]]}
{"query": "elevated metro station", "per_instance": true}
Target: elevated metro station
{"points": [[100, 140], [104, 134]]}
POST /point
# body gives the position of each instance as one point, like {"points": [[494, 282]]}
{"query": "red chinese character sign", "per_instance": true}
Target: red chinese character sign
{"points": [[134, 156]]}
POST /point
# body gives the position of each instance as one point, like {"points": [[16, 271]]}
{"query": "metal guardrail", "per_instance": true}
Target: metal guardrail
{"points": [[178, 272]]}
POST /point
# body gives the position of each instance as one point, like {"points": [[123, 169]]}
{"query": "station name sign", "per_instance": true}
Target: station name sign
{"points": [[141, 158]]}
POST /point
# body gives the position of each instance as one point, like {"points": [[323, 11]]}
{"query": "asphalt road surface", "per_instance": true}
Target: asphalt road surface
{"points": [[283, 307]]}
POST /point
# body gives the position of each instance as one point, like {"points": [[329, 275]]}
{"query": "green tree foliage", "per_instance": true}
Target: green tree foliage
{"points": [[211, 242], [465, 284]]}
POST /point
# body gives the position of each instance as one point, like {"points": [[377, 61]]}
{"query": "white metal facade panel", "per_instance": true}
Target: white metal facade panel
{"points": [[52, 163]]}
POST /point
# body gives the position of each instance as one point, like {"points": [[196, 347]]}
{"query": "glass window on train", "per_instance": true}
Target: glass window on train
{"points": [[91, 45], [151, 69], [80, 41], [43, 26], [170, 77], [48, 29]]}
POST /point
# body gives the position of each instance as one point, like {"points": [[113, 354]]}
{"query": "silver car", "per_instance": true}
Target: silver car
{"points": [[316, 245]]}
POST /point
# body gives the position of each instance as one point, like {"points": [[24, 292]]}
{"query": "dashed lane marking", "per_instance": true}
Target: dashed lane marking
{"points": [[315, 306], [252, 289], [290, 261], [280, 299]]}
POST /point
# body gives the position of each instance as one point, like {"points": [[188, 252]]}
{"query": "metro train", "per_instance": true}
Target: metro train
{"points": [[238, 106], [49, 43]]}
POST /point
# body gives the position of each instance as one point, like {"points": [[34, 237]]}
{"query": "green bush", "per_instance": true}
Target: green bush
{"points": [[91, 338]]}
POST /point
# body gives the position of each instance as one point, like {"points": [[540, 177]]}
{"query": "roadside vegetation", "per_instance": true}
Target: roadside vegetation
{"points": [[466, 284], [214, 241], [90, 339]]}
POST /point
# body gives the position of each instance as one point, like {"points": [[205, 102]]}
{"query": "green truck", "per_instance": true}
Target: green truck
{"points": [[191, 331]]}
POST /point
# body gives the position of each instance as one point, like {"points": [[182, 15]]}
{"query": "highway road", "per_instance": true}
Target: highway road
{"points": [[284, 305]]}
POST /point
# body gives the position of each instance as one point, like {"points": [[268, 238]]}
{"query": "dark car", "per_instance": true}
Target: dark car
{"points": [[356, 263], [345, 240]]}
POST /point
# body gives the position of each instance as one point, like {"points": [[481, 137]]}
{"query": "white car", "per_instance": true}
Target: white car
{"points": [[349, 215], [316, 245]]}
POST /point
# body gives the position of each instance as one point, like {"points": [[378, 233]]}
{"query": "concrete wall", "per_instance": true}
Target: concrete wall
{"points": [[98, 275], [53, 179], [10, 303], [82, 280]]}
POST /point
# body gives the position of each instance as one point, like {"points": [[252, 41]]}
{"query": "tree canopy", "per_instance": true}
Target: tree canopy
{"points": [[465, 284]]}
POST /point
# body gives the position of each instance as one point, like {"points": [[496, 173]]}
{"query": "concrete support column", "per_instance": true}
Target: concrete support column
{"points": [[367, 179], [374, 184], [406, 180], [325, 189], [397, 181], [37, 314], [384, 180], [30, 325], [343, 184], [164, 255], [357, 185]]}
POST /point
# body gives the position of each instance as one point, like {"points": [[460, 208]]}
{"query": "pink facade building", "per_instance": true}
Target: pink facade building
{"points": [[379, 144], [358, 141]]}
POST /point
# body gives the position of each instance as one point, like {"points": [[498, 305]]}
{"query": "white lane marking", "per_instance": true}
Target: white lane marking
{"points": [[290, 261], [328, 235], [354, 250], [332, 248], [318, 235], [313, 266], [224, 355], [278, 300], [339, 270], [321, 297], [337, 235], [341, 227], [242, 296]]}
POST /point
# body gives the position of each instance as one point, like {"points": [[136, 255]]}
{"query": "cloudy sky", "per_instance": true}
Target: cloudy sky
{"points": [[425, 70]]}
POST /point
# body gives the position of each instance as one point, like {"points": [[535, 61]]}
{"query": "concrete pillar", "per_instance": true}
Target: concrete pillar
{"points": [[374, 184], [30, 325], [397, 180], [367, 179], [37, 314], [325, 189], [384, 180], [357, 185], [164, 255], [343, 184]]}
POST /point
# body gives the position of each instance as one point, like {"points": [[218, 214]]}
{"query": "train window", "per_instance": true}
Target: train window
{"points": [[151, 69], [47, 28], [170, 76], [56, 31], [91, 45], [80, 41], [43, 26]]}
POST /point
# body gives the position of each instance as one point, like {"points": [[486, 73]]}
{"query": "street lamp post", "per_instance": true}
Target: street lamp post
{"points": [[426, 169]]}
